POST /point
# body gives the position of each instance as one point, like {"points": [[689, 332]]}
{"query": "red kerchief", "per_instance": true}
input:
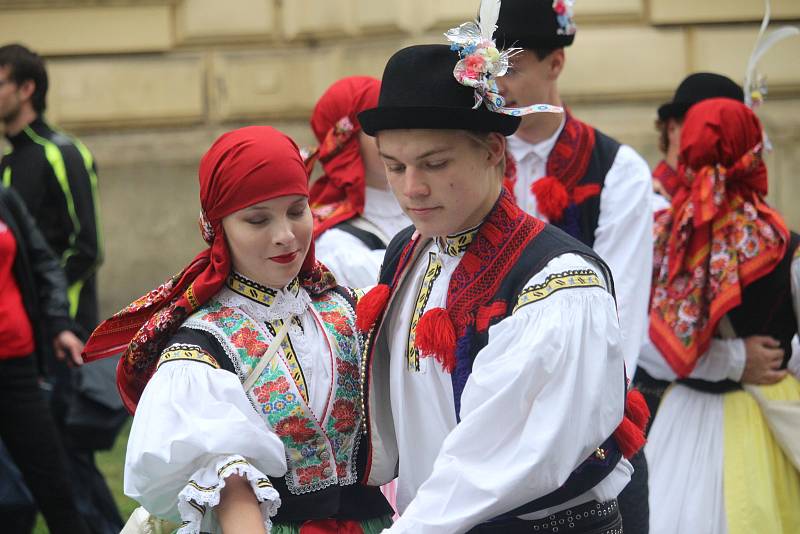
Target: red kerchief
{"points": [[339, 194], [242, 168], [717, 237]]}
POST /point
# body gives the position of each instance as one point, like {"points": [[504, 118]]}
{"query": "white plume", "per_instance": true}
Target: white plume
{"points": [[763, 43], [489, 12]]}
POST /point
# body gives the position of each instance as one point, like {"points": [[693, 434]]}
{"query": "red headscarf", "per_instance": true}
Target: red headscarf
{"points": [[718, 236], [242, 168], [339, 194]]}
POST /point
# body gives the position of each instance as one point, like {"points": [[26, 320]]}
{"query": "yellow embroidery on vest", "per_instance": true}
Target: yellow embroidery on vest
{"points": [[557, 282], [291, 357], [187, 352], [431, 274]]}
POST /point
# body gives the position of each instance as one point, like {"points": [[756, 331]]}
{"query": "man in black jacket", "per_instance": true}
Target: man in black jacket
{"points": [[56, 177], [34, 316]]}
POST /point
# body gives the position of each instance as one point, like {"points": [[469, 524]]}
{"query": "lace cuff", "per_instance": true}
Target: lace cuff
{"points": [[202, 492]]}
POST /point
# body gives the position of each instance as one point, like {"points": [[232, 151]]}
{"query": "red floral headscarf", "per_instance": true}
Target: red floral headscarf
{"points": [[242, 168], [339, 194], [718, 236]]}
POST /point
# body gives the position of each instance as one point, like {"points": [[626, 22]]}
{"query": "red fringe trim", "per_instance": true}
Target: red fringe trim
{"points": [[629, 438], [630, 433], [371, 306], [552, 197], [436, 336], [488, 313], [580, 193], [636, 409]]}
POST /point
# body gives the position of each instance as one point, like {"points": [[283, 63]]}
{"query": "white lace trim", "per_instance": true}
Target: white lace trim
{"points": [[208, 497], [285, 305]]}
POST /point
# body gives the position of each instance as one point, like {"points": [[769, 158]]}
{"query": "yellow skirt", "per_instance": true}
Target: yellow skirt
{"points": [[762, 488]]}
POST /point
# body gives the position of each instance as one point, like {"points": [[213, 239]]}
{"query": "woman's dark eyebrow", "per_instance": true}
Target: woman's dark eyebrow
{"points": [[421, 156]]}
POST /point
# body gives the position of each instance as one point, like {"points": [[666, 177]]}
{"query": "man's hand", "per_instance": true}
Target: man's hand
{"points": [[659, 188], [764, 358], [68, 347]]}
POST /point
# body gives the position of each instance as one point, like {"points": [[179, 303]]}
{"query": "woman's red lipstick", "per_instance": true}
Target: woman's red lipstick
{"points": [[285, 258]]}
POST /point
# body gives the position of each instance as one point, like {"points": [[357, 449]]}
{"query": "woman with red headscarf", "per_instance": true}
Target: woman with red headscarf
{"points": [[355, 214], [725, 280], [243, 370]]}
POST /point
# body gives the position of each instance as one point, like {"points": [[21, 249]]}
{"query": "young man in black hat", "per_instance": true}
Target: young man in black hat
{"points": [[493, 367], [568, 172], [574, 176], [693, 89]]}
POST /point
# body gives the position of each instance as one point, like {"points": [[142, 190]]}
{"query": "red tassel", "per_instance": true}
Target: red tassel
{"points": [[551, 197], [370, 306], [436, 336], [629, 437], [636, 409]]}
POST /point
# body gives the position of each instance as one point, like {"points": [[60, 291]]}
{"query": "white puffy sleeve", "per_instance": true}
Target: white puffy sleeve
{"points": [[547, 389], [193, 428], [624, 239], [351, 262], [725, 359], [794, 362]]}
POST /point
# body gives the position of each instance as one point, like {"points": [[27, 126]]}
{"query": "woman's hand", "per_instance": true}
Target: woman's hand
{"points": [[238, 511], [68, 347]]}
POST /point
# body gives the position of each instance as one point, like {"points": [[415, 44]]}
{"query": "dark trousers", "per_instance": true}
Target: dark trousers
{"points": [[93, 497], [29, 432], [634, 503]]}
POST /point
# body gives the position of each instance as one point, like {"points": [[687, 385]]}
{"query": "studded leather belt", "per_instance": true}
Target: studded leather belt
{"points": [[589, 518]]}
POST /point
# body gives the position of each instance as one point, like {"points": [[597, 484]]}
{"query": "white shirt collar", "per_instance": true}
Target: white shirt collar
{"points": [[521, 149]]}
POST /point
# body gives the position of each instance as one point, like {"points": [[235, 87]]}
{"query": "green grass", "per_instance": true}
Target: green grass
{"points": [[111, 464]]}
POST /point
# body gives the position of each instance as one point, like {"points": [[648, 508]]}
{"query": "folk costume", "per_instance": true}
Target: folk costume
{"points": [[581, 180], [494, 375], [726, 267], [693, 89], [353, 222], [211, 396]]}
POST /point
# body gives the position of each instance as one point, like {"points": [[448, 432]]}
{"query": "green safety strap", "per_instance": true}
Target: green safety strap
{"points": [[7, 177], [56, 160]]}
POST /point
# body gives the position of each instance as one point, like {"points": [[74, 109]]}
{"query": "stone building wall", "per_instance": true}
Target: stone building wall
{"points": [[148, 85]]}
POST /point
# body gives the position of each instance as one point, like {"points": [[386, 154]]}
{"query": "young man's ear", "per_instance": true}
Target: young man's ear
{"points": [[497, 147], [26, 89], [557, 59]]}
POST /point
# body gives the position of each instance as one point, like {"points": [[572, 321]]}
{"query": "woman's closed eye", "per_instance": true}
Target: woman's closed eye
{"points": [[438, 164], [395, 169]]}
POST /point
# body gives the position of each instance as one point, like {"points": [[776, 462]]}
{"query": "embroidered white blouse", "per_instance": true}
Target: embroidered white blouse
{"points": [[543, 394], [624, 234], [350, 260], [195, 425]]}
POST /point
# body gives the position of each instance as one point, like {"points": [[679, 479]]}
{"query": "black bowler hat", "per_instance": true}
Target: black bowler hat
{"points": [[419, 91], [535, 24], [697, 87]]}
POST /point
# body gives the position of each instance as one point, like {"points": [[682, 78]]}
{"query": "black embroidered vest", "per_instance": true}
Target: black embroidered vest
{"points": [[580, 221], [548, 244]]}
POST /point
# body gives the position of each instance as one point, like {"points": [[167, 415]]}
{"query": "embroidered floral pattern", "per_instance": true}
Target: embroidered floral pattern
{"points": [[318, 454]]}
